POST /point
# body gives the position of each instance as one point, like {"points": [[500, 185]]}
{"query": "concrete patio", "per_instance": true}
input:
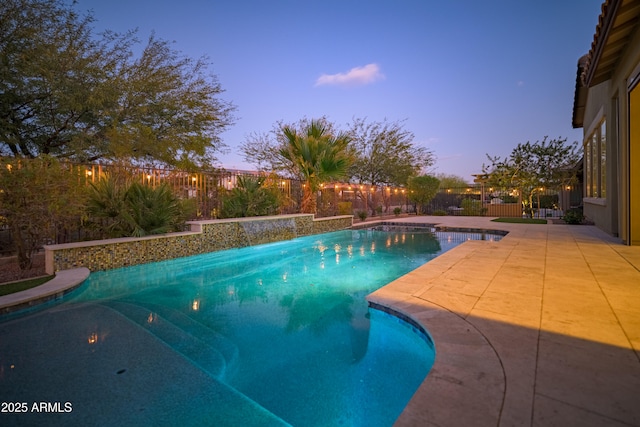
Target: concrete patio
{"points": [[539, 329]]}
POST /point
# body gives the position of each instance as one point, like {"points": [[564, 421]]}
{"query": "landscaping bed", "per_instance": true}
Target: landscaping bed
{"points": [[10, 271]]}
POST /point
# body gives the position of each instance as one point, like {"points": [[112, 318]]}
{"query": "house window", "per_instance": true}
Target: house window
{"points": [[603, 160], [595, 155], [588, 169]]}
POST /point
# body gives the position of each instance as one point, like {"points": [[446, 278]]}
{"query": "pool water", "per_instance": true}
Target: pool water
{"points": [[276, 334]]}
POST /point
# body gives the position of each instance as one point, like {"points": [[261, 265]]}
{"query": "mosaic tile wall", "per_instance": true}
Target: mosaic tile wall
{"points": [[206, 236], [326, 225]]}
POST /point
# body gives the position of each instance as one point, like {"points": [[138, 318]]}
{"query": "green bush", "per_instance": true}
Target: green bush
{"points": [[509, 199], [121, 208], [397, 211], [472, 207], [345, 208], [422, 189], [362, 215], [547, 201], [439, 212], [41, 199], [573, 216], [250, 198]]}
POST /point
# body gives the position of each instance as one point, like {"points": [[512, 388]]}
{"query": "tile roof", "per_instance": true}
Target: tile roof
{"points": [[580, 95], [616, 25], [618, 21]]}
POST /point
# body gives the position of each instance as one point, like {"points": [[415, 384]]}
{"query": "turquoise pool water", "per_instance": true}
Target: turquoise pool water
{"points": [[274, 334]]}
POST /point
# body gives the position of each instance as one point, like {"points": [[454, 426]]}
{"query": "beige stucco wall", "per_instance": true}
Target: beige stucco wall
{"points": [[204, 236], [610, 100], [619, 85], [600, 210]]}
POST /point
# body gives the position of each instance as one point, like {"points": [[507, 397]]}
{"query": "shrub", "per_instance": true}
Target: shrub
{"points": [[573, 216], [120, 208], [152, 210], [362, 215], [40, 200], [548, 201], [397, 211], [439, 212], [250, 198], [345, 208], [422, 189], [472, 207]]}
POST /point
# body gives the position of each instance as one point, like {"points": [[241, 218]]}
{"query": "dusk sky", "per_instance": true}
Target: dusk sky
{"points": [[470, 77]]}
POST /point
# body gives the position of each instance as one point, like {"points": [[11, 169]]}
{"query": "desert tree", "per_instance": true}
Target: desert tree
{"points": [[385, 154], [421, 189], [534, 167], [39, 200], [70, 93], [451, 181]]}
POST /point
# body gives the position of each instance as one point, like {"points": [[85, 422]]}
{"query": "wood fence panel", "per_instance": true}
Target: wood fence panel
{"points": [[512, 210]]}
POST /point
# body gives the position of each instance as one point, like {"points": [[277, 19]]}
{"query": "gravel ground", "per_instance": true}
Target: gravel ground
{"points": [[10, 271]]}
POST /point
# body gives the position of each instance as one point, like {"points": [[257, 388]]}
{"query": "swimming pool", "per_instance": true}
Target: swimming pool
{"points": [[274, 334]]}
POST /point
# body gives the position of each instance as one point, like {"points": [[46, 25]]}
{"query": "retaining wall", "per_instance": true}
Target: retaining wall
{"points": [[203, 237]]}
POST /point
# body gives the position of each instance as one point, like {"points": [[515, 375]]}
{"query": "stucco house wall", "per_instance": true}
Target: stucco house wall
{"points": [[607, 89], [598, 209], [628, 72]]}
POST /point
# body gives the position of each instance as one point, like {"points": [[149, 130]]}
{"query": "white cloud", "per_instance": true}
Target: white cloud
{"points": [[354, 77]]}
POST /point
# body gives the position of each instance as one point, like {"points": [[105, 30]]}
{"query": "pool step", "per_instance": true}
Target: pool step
{"points": [[222, 344], [197, 350]]}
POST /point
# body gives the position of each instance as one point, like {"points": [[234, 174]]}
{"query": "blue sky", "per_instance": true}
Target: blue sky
{"points": [[470, 77]]}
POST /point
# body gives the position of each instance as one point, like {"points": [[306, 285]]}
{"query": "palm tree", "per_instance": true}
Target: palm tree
{"points": [[316, 156]]}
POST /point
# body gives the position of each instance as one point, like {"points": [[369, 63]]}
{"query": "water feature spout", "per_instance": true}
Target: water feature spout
{"points": [[269, 230]]}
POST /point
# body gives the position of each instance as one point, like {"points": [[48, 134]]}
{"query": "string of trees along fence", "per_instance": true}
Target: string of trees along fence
{"points": [[49, 198]]}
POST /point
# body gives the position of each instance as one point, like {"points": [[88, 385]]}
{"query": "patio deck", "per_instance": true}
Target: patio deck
{"points": [[541, 328]]}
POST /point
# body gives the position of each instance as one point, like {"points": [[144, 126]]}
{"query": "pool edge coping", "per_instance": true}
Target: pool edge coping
{"points": [[64, 282]]}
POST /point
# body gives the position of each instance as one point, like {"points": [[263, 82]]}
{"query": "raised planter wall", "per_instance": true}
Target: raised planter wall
{"points": [[203, 237]]}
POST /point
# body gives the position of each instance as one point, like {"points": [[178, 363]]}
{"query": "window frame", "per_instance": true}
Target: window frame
{"points": [[595, 159]]}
